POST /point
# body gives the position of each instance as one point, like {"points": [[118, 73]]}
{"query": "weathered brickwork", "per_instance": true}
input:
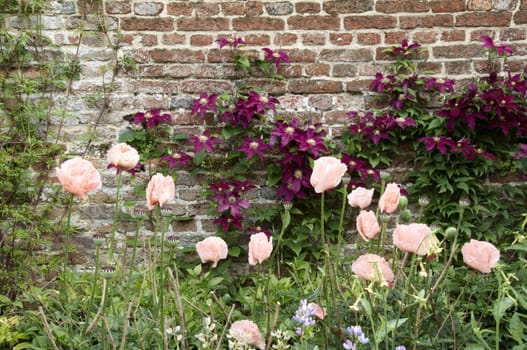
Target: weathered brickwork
{"points": [[335, 48]]}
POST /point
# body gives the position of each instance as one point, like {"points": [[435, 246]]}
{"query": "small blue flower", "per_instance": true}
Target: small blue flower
{"points": [[304, 314], [348, 345], [400, 347]]}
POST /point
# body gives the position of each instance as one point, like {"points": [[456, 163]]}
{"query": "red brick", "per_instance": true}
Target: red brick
{"points": [[291, 71], [118, 7], [258, 39], [369, 22], [368, 69], [457, 51], [412, 22], [339, 7], [394, 38], [219, 55], [340, 38], [345, 70], [253, 8], [477, 34], [233, 9], [336, 117], [314, 39], [484, 19], [346, 55], [154, 86], [299, 55], [317, 69], [157, 24], [257, 23], [201, 40], [447, 5], [177, 70], [208, 71], [516, 66], [453, 35], [179, 9], [211, 86], [369, 38], [271, 86], [520, 17], [177, 55], [148, 39], [307, 7], [206, 9], [398, 6], [321, 102], [432, 67], [512, 34], [205, 24], [285, 39], [314, 22], [358, 85], [172, 39], [458, 67], [425, 37], [314, 86]]}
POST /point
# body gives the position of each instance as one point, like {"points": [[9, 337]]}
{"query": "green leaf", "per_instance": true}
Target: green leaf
{"points": [[500, 307]]}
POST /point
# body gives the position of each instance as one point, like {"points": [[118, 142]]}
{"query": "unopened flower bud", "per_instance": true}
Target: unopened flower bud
{"points": [[464, 203], [108, 271], [450, 232], [140, 213], [166, 211], [385, 176], [385, 218], [288, 205], [99, 239], [172, 240], [403, 202], [423, 201], [346, 180], [405, 215]]}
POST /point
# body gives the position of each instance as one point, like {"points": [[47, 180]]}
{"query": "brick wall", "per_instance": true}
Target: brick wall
{"points": [[335, 48]]}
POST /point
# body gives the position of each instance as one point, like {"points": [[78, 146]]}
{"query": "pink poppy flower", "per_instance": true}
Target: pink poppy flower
{"points": [[160, 190], [371, 267], [360, 197], [123, 156], [480, 255], [260, 248], [390, 198], [367, 225], [79, 177], [415, 238], [327, 173], [212, 249], [247, 333]]}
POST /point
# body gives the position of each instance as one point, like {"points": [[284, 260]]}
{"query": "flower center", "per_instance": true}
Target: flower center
{"points": [[148, 115], [289, 130], [264, 99], [253, 145], [298, 174], [203, 100], [513, 83], [311, 142], [232, 199], [203, 138], [436, 139], [276, 54]]}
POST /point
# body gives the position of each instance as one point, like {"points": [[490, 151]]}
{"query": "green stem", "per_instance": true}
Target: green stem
{"points": [[115, 212], [162, 272], [95, 276], [341, 222], [136, 237], [66, 257]]}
